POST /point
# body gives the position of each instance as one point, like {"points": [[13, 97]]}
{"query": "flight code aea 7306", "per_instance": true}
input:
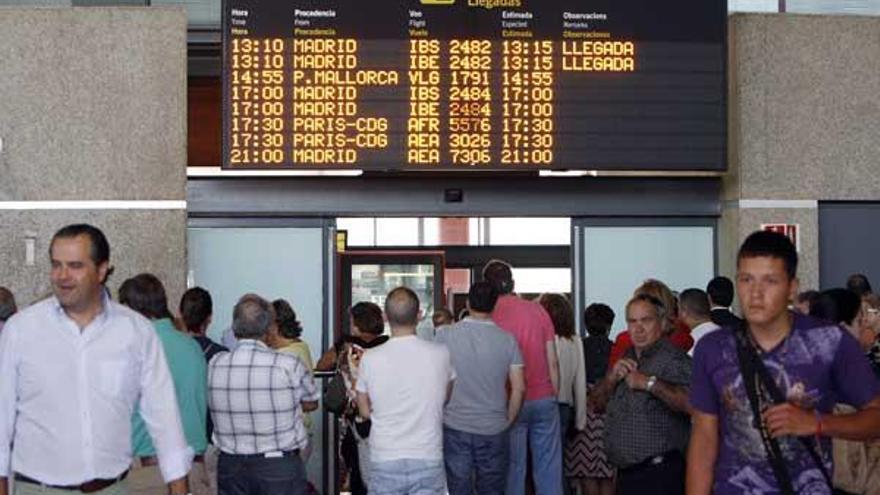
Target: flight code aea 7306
{"points": [[459, 102]]}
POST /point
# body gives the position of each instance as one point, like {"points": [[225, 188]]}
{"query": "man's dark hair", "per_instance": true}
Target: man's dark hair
{"points": [[100, 251], [858, 283], [695, 302], [368, 318], [288, 326], [7, 304], [442, 316], [251, 317], [773, 245], [808, 296], [195, 308], [482, 296], [836, 305], [561, 314], [402, 307], [720, 291], [500, 274], [145, 294], [598, 319]]}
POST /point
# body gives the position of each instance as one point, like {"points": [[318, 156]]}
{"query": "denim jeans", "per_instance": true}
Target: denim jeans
{"points": [[475, 462], [256, 475], [536, 428], [407, 477]]}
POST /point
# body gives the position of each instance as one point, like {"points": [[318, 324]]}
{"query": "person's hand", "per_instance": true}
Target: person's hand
{"points": [[622, 368], [636, 380], [788, 419]]}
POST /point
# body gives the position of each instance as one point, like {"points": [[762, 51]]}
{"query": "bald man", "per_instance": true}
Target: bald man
{"points": [[402, 386]]}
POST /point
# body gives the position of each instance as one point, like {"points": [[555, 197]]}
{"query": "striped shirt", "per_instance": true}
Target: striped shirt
{"points": [[255, 396]]}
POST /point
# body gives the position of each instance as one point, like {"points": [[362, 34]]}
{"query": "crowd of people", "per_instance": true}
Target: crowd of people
{"points": [[122, 396]]}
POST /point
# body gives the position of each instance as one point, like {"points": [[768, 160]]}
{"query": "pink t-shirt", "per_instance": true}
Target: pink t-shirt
{"points": [[532, 328]]}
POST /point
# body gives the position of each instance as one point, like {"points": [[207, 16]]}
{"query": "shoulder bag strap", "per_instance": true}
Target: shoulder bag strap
{"points": [[778, 398], [747, 366]]}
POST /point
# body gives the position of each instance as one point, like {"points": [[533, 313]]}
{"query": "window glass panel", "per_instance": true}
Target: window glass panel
{"points": [[373, 282], [860, 7], [531, 282], [431, 229], [457, 280], [200, 13], [619, 259], [397, 231], [475, 231], [360, 230], [856, 7], [753, 6], [529, 231]]}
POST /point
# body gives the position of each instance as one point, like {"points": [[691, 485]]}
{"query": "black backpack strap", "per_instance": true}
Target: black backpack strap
{"points": [[747, 366], [810, 444], [777, 397]]}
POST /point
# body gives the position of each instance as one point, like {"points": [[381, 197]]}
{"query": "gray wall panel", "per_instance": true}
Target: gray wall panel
{"points": [[805, 107], [93, 107], [850, 242], [94, 103]]}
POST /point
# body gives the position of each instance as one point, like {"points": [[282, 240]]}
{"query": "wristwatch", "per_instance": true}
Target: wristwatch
{"points": [[652, 380]]}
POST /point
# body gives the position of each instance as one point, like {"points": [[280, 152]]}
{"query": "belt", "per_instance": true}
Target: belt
{"points": [[90, 486], [151, 460], [264, 455], [651, 462]]}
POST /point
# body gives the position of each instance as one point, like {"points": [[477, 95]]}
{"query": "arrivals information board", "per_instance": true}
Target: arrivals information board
{"points": [[474, 84]]}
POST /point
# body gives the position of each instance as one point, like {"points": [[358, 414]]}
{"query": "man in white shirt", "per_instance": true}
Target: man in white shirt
{"points": [[693, 311], [73, 369], [402, 386]]}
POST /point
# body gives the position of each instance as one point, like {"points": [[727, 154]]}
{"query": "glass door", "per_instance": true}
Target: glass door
{"points": [[370, 276], [275, 258], [612, 257]]}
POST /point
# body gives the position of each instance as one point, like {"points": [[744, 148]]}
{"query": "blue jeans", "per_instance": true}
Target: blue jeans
{"points": [[475, 461], [536, 427], [252, 475], [407, 477]]}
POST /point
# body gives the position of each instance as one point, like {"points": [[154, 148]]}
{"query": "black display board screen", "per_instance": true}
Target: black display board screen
{"points": [[474, 84]]}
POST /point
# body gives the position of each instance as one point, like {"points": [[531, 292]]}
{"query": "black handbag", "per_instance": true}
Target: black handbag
{"points": [[752, 368], [335, 395], [335, 392]]}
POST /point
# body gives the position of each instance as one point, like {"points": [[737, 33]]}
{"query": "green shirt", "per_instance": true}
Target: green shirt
{"points": [[190, 376]]}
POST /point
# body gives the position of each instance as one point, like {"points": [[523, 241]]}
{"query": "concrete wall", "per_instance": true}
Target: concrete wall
{"points": [[804, 124], [93, 108]]}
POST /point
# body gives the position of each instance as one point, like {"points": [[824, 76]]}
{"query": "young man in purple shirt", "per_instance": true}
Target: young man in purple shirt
{"points": [[813, 364]]}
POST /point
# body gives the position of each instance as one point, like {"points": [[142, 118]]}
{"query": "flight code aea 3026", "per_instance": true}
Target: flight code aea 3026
{"points": [[470, 102]]}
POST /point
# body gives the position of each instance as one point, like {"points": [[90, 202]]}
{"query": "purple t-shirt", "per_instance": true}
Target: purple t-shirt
{"points": [[816, 366]]}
